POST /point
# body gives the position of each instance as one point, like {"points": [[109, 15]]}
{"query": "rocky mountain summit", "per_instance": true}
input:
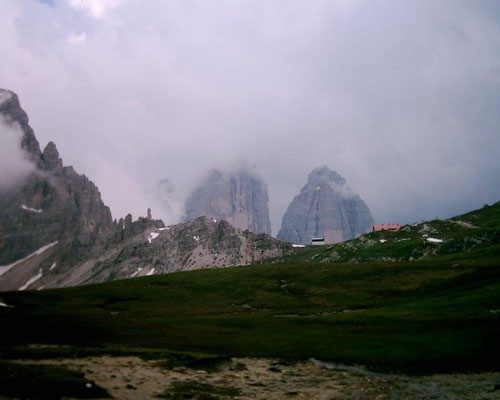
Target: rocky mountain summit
{"points": [[325, 207], [56, 231], [239, 197], [52, 203]]}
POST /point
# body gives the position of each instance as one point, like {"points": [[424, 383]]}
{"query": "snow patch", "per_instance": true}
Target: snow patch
{"points": [[5, 268], [213, 219], [151, 272], [298, 245], [136, 272], [3, 304], [153, 236], [52, 266], [163, 229], [197, 238], [382, 240], [35, 210], [434, 240], [32, 280]]}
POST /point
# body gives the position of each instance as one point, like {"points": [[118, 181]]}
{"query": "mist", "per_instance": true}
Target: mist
{"points": [[401, 98], [14, 165]]}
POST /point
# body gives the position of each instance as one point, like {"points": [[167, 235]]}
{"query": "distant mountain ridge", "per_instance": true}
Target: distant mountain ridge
{"points": [[55, 230], [325, 207]]}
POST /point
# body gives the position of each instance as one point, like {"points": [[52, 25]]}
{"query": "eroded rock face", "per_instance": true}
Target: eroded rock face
{"points": [[239, 197], [53, 203], [325, 207], [204, 242]]}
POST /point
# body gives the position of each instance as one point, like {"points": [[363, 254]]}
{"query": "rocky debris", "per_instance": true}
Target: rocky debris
{"points": [[239, 197], [325, 207], [260, 378]]}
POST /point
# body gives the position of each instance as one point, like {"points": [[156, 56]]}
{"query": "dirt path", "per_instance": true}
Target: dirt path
{"points": [[245, 378]]}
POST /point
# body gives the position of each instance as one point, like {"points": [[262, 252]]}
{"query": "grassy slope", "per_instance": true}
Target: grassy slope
{"points": [[438, 314], [477, 230], [428, 316]]}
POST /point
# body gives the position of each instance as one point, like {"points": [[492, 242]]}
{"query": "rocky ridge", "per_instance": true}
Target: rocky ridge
{"points": [[202, 243], [56, 231]]}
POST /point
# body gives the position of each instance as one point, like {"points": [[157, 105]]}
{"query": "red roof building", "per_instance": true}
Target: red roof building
{"points": [[386, 227]]}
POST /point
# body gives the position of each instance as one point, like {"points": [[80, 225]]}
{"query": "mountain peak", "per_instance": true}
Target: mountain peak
{"points": [[12, 113], [325, 174], [239, 197], [325, 207], [50, 157]]}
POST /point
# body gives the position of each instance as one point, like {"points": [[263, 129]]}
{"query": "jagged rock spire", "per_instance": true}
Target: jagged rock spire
{"points": [[50, 158]]}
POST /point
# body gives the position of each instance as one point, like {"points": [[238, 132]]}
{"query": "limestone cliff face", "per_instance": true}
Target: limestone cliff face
{"points": [[239, 197], [53, 203], [325, 207]]}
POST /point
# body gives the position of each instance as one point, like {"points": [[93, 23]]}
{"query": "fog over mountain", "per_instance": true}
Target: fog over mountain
{"points": [[399, 97]]}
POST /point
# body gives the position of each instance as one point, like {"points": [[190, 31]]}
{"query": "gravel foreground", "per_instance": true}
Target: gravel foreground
{"points": [[247, 378]]}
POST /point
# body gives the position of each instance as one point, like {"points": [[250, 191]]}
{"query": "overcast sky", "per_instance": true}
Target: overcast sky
{"points": [[402, 98]]}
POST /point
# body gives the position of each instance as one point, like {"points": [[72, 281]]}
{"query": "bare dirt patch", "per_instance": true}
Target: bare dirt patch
{"points": [[246, 378]]}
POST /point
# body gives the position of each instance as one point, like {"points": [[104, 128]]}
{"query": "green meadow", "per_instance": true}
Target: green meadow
{"points": [[436, 315]]}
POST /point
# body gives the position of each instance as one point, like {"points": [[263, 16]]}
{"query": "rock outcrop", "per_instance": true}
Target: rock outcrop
{"points": [[325, 207], [202, 243], [239, 197]]}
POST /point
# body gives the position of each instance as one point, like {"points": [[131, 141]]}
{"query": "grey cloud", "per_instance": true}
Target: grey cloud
{"points": [[400, 97]]}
